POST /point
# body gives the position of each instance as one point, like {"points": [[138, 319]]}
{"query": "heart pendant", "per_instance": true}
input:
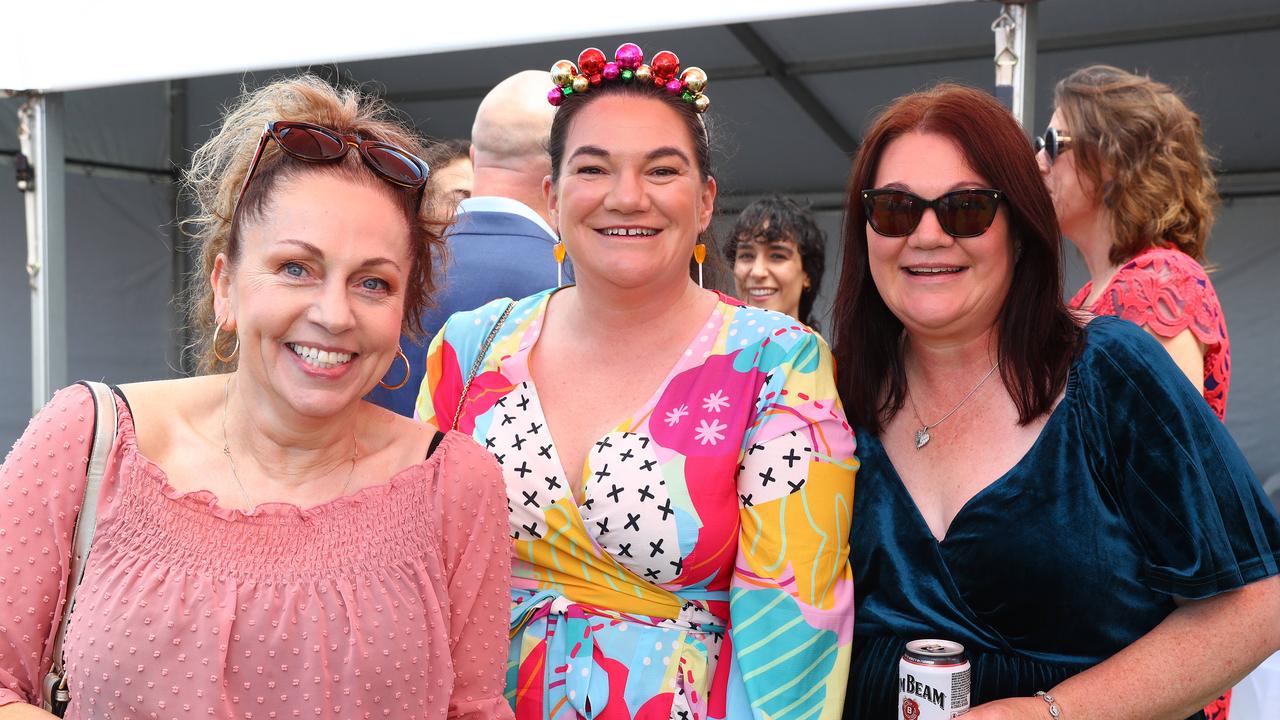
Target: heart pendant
{"points": [[922, 437]]}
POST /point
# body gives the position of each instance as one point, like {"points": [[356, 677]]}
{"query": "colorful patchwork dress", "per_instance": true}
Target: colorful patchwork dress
{"points": [[705, 573]]}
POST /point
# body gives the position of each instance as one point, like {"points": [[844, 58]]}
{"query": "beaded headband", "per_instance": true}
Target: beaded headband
{"points": [[628, 66]]}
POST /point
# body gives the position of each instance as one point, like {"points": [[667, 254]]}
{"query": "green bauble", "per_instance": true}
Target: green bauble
{"points": [[628, 76]]}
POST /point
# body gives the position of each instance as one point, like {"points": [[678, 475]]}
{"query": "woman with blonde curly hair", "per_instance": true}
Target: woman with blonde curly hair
{"points": [[1133, 186], [268, 544]]}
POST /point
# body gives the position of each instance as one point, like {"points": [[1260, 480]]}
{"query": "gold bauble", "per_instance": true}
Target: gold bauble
{"points": [[644, 74], [581, 83], [695, 78], [701, 102], [562, 73]]}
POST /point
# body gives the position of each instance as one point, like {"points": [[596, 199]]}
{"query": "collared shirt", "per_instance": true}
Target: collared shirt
{"points": [[494, 203]]}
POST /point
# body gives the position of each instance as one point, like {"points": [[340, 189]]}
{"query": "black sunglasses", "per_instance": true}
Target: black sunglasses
{"points": [[961, 213], [1053, 143], [313, 143]]}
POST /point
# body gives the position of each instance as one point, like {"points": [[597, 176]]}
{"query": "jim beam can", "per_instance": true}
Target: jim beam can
{"points": [[933, 681]]}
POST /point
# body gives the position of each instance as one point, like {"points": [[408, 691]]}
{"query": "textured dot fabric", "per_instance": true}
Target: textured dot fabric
{"points": [[390, 602]]}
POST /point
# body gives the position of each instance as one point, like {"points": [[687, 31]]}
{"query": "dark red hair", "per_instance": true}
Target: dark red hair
{"points": [[1037, 337]]}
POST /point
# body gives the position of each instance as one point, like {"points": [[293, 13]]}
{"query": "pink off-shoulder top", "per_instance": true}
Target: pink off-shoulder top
{"points": [[389, 602]]}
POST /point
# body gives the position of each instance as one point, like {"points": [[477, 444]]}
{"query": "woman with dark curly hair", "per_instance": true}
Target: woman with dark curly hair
{"points": [[778, 255], [1134, 190]]}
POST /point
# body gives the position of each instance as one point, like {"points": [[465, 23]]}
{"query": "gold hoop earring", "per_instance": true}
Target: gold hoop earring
{"points": [[700, 256], [408, 370], [558, 250], [226, 360]]}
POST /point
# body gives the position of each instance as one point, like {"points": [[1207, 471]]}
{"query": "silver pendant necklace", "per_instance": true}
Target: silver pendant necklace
{"points": [[226, 450], [922, 433]]}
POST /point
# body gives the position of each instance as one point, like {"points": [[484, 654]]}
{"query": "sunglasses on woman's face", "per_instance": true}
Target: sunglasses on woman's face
{"points": [[313, 143], [961, 213], [1053, 143]]}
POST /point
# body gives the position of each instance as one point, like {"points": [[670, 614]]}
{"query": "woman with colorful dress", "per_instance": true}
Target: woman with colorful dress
{"points": [[679, 471], [1134, 190], [267, 544]]}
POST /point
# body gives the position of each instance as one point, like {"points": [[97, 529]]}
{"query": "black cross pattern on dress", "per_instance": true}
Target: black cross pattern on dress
{"points": [[651, 574], [508, 419], [746, 500], [644, 493], [524, 402], [644, 443], [632, 523], [603, 443], [603, 473], [684, 714], [530, 497], [545, 451], [500, 458], [490, 443], [754, 447], [532, 529], [627, 454], [534, 428], [678, 564], [791, 457], [647, 465], [552, 482], [518, 442], [614, 491], [655, 548], [603, 525], [624, 550], [588, 503], [796, 485], [767, 477], [502, 401], [523, 469], [665, 507]]}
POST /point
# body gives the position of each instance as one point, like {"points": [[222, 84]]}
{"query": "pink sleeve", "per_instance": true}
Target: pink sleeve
{"points": [[41, 486], [1168, 292], [477, 556]]}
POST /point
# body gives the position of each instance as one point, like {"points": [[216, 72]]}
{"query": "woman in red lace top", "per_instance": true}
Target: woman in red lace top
{"points": [[1132, 183]]}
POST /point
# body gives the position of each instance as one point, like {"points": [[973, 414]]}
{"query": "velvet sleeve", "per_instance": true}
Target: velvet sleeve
{"points": [[1193, 504], [791, 597], [477, 553], [41, 487]]}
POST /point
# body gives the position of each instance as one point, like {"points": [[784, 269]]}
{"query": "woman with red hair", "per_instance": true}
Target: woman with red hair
{"points": [[1044, 488]]}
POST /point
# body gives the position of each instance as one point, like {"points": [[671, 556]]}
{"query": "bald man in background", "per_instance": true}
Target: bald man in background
{"points": [[501, 244]]}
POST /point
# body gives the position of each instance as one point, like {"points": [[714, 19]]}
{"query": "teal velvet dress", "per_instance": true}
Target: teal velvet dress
{"points": [[1133, 494]]}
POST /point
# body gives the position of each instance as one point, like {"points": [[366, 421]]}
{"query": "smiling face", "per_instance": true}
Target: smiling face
{"points": [[630, 201], [937, 285], [769, 275], [317, 295]]}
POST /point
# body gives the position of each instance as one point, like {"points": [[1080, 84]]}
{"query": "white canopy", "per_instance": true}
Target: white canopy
{"points": [[98, 44]]}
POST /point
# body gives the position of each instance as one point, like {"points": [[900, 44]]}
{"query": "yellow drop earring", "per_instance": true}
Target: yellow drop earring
{"points": [[700, 256], [559, 253]]}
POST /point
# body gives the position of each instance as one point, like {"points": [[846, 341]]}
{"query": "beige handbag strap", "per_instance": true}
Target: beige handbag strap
{"points": [[104, 433], [475, 366]]}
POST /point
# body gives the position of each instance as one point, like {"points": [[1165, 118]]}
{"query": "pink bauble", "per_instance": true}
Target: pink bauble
{"points": [[611, 71], [675, 86], [629, 56], [555, 97]]}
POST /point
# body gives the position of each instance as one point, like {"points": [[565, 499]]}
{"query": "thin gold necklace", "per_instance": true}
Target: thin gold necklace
{"points": [[922, 433], [226, 450]]}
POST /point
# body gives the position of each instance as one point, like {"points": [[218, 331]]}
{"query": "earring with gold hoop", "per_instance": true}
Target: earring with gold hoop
{"points": [[408, 370], [227, 359]]}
